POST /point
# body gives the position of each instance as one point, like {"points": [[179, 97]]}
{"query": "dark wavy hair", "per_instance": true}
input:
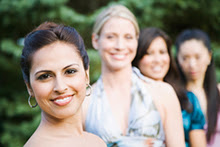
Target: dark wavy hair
{"points": [[172, 77], [210, 82], [45, 34]]}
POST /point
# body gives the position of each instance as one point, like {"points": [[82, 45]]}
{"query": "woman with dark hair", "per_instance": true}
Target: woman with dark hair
{"points": [[195, 62], [155, 61], [55, 68]]}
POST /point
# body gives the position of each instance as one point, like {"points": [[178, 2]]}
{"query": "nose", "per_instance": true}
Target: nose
{"points": [[60, 85], [157, 57], [120, 44], [192, 63]]}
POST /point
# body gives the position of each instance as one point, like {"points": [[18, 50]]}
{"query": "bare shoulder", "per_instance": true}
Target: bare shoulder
{"points": [[94, 140], [34, 141], [163, 95], [168, 106], [162, 89], [28, 143], [164, 86]]}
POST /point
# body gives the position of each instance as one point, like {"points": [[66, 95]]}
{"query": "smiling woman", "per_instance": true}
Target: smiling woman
{"points": [[123, 110], [55, 68], [155, 60]]}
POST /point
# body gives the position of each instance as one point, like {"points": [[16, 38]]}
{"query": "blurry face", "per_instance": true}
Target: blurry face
{"points": [[117, 43], [58, 80], [155, 64], [194, 59]]}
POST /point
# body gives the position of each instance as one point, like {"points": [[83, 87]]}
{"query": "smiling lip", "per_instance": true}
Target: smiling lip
{"points": [[157, 69], [62, 100], [117, 56]]}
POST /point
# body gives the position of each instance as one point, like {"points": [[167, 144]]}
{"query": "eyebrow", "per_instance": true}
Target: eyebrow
{"points": [[70, 65], [63, 68]]}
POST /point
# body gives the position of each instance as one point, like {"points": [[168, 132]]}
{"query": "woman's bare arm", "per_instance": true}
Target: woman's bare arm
{"points": [[197, 138], [172, 117]]}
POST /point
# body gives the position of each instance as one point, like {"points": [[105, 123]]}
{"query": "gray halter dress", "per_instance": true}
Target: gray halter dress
{"points": [[144, 119]]}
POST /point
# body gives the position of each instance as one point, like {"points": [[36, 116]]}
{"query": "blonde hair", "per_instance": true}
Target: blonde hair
{"points": [[114, 11]]}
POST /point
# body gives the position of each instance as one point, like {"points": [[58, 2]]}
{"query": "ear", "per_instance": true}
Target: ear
{"points": [[30, 91], [95, 38], [87, 76]]}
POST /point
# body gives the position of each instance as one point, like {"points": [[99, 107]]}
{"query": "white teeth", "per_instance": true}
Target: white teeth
{"points": [[119, 56], [157, 68], [62, 100]]}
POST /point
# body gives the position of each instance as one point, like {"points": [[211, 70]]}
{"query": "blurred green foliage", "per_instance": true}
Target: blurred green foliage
{"points": [[18, 17]]}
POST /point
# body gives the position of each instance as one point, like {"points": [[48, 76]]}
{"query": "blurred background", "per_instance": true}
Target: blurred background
{"points": [[18, 17]]}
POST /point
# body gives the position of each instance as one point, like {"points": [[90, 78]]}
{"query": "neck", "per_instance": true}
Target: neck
{"points": [[71, 126], [195, 84], [117, 78]]}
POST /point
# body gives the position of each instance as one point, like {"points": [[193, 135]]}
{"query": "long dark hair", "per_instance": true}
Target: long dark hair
{"points": [[172, 77], [210, 82]]}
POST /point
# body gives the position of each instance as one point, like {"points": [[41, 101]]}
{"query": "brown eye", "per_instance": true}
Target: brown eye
{"points": [[148, 53], [109, 36], [44, 76], [70, 71], [128, 37], [163, 51], [197, 57], [184, 58]]}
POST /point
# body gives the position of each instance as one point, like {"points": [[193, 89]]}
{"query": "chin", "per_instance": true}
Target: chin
{"points": [[118, 66], [158, 78], [65, 115]]}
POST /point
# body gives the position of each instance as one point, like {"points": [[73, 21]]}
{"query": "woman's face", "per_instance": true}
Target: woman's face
{"points": [[117, 43], [58, 80], [155, 64], [194, 59]]}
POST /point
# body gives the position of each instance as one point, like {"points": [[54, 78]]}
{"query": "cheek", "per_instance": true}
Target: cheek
{"points": [[78, 84], [180, 61], [166, 58], [42, 90], [133, 45], [104, 48], [182, 64], [184, 67], [204, 64], [207, 60], [105, 44], [145, 64], [81, 87]]}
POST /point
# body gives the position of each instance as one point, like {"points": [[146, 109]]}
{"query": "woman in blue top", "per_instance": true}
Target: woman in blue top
{"points": [[194, 120], [197, 69], [155, 61]]}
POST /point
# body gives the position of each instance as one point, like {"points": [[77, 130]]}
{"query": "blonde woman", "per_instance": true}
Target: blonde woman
{"points": [[123, 110]]}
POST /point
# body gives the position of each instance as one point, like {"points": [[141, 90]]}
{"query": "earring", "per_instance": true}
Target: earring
{"points": [[88, 88], [29, 102]]}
